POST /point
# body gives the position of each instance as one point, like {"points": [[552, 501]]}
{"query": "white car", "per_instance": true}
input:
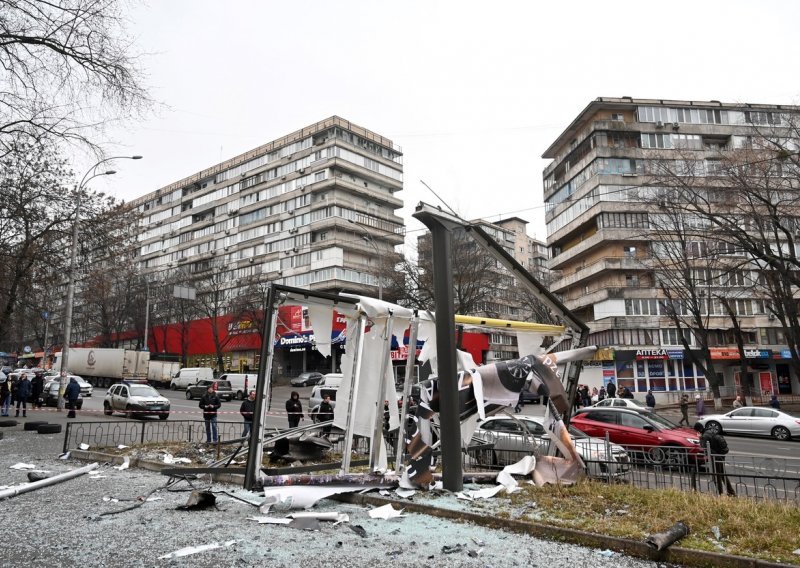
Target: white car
{"points": [[756, 421], [86, 388], [135, 400], [621, 403], [511, 438]]}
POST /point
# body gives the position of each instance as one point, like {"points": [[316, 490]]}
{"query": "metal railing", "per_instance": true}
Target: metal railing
{"points": [[649, 467]]}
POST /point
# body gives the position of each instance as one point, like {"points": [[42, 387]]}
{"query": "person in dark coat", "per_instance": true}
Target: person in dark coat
{"points": [[714, 443], [210, 403], [650, 400], [294, 409], [684, 410], [325, 413], [5, 395], [37, 386], [23, 393], [774, 402], [247, 410], [71, 395], [611, 389]]}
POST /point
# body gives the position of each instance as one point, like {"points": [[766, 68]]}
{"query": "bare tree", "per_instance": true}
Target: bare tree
{"points": [[66, 68], [213, 301], [36, 214], [477, 281]]}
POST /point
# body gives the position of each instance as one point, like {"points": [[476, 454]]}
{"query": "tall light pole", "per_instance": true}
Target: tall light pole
{"points": [[370, 240], [88, 176], [146, 313]]}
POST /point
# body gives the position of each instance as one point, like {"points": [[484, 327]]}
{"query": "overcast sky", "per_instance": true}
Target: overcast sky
{"points": [[473, 92]]}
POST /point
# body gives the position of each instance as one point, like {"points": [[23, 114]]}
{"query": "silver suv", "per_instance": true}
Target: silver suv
{"points": [[135, 400]]}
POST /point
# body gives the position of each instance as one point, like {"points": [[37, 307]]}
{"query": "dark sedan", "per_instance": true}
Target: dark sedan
{"points": [[222, 388], [308, 379], [50, 395]]}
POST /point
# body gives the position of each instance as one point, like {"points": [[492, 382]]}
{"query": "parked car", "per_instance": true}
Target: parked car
{"points": [[241, 383], [511, 438], [50, 395], [332, 379], [223, 389], [135, 400], [755, 421], [317, 394], [307, 379], [621, 403], [647, 433]]}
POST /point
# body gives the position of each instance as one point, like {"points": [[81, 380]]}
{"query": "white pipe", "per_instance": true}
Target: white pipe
{"points": [[13, 491]]}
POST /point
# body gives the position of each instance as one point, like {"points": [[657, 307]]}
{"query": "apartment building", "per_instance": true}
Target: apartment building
{"points": [[602, 200], [314, 209]]}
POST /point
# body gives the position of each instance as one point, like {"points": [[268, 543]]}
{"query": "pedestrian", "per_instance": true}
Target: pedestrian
{"points": [[247, 410], [294, 410], [23, 392], [700, 406], [774, 402], [737, 402], [210, 403], [684, 410], [5, 395], [595, 395], [71, 395], [650, 400], [714, 443], [625, 393], [37, 386], [587, 400], [325, 413], [611, 389], [520, 402], [601, 394]]}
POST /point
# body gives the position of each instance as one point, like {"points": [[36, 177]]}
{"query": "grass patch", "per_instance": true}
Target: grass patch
{"points": [[767, 530]]}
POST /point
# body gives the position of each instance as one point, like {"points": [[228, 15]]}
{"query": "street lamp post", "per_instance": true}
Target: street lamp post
{"points": [[88, 176], [370, 240]]}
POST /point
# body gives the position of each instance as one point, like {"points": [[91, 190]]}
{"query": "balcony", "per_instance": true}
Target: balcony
{"points": [[587, 271]]}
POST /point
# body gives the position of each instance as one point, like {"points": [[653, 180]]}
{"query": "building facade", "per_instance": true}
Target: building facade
{"points": [[314, 209], [605, 204]]}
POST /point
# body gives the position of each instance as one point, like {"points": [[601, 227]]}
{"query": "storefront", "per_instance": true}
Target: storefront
{"points": [[658, 370]]}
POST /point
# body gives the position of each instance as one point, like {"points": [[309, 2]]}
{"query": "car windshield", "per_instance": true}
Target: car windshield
{"points": [[143, 390], [661, 421]]}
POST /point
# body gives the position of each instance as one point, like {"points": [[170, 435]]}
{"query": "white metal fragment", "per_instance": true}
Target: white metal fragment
{"points": [[334, 516], [271, 520], [84, 446], [22, 466], [405, 493], [189, 550], [386, 512], [126, 463], [122, 447]]}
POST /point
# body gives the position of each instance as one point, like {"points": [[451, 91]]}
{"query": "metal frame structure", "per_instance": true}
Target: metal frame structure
{"points": [[441, 225]]}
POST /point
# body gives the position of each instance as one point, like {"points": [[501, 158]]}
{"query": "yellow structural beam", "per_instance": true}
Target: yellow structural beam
{"points": [[509, 324]]}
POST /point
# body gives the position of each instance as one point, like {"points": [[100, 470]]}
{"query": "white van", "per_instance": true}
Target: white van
{"points": [[332, 380], [241, 383], [189, 376]]}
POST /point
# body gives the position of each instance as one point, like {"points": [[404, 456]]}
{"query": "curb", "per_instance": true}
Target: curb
{"points": [[635, 548], [149, 465]]}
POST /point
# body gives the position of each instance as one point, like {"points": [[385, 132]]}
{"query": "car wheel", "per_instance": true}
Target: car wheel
{"points": [[33, 424], [714, 427], [128, 413], [669, 456], [188, 394], [173, 386], [163, 416], [239, 395], [107, 409], [781, 433]]}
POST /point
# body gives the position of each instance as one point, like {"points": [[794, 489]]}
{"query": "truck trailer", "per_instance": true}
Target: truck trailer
{"points": [[103, 367]]}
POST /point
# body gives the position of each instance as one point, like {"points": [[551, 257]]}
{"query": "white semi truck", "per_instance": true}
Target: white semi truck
{"points": [[103, 367], [160, 373]]}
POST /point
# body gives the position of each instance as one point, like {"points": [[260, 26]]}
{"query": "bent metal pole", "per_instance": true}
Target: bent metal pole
{"points": [[13, 491]]}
